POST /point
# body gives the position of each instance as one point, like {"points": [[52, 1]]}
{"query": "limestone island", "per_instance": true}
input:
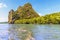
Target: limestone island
{"points": [[27, 15]]}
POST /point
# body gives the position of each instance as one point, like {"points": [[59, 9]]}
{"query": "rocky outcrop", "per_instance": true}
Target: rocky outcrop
{"points": [[22, 12], [10, 19]]}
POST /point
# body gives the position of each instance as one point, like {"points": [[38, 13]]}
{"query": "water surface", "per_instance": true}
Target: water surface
{"points": [[29, 32]]}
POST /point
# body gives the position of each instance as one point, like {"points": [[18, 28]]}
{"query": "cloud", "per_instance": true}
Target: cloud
{"points": [[2, 5]]}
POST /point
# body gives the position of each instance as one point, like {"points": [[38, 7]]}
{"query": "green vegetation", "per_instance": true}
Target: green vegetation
{"points": [[26, 15], [53, 18]]}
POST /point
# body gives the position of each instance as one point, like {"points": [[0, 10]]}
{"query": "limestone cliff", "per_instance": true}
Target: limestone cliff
{"points": [[22, 12]]}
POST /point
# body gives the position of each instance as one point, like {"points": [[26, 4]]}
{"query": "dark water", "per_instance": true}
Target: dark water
{"points": [[29, 32]]}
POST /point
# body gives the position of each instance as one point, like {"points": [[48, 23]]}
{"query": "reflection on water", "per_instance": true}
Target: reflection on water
{"points": [[29, 32], [21, 32]]}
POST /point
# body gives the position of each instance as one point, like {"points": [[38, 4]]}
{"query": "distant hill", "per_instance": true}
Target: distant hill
{"points": [[3, 22], [22, 12]]}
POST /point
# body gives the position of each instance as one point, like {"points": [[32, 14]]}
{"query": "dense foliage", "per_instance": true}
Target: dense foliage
{"points": [[53, 18]]}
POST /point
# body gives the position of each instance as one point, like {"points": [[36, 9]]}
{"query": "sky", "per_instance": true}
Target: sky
{"points": [[42, 7]]}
